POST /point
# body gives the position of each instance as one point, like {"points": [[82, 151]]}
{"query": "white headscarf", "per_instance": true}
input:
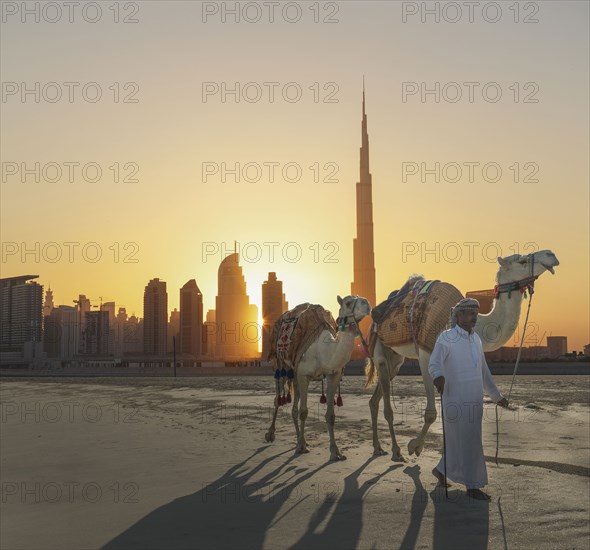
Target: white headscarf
{"points": [[465, 303]]}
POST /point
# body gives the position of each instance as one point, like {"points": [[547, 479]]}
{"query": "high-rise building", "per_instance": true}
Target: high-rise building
{"points": [[557, 346], [21, 316], [48, 305], [237, 332], [109, 307], [174, 331], [209, 331], [485, 299], [61, 333], [118, 331], [133, 336], [191, 319], [273, 305], [83, 307], [97, 334], [363, 249], [155, 308]]}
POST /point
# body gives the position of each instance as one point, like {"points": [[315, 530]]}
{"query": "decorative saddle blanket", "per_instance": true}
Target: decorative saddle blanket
{"points": [[419, 315], [297, 329]]}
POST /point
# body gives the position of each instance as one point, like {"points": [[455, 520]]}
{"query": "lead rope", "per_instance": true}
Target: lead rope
{"points": [[442, 413], [526, 320]]}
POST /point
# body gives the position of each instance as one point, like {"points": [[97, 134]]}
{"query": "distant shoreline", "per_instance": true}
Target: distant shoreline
{"points": [[353, 368]]}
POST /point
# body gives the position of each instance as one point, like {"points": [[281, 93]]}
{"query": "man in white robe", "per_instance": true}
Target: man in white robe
{"points": [[461, 374]]}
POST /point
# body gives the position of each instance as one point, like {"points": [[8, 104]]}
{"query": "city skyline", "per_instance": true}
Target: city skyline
{"points": [[183, 140], [533, 342]]}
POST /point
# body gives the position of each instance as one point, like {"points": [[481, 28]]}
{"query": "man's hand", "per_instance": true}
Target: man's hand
{"points": [[439, 384], [503, 402]]}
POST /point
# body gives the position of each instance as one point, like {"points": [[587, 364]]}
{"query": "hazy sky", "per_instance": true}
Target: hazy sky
{"points": [[172, 133]]}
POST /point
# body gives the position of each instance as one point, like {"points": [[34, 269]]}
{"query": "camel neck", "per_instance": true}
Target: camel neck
{"points": [[497, 327]]}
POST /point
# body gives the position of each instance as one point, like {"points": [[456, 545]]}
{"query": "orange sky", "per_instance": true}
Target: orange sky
{"points": [[171, 134]]}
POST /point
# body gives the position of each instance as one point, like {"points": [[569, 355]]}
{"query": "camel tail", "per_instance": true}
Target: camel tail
{"points": [[370, 370]]}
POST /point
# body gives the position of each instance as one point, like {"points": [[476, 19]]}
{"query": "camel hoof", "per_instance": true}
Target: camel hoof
{"points": [[269, 437], [302, 450], [398, 458], [379, 452], [337, 457], [412, 446]]}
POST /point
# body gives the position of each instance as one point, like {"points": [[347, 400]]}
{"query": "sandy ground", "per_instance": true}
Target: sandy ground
{"points": [[164, 463]]}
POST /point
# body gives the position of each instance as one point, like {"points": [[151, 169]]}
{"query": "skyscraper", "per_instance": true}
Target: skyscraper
{"points": [[155, 308], [191, 319], [21, 316], [273, 305], [236, 328], [48, 305], [98, 339], [61, 332], [174, 331], [363, 249], [83, 307]]}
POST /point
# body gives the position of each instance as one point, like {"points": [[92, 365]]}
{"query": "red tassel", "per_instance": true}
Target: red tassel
{"points": [[323, 399], [289, 397], [339, 401]]}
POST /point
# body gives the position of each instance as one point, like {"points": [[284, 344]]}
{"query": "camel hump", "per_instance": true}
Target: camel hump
{"points": [[421, 314], [298, 328]]}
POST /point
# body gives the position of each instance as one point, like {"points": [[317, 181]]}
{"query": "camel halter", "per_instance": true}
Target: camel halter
{"points": [[531, 288]]}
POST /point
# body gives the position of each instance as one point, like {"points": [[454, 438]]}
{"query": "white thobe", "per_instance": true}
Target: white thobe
{"points": [[458, 356]]}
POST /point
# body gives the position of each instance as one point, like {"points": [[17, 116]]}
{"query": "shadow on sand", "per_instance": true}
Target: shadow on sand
{"points": [[251, 498], [460, 522]]}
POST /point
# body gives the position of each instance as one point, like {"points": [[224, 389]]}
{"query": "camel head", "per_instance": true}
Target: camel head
{"points": [[353, 308], [517, 267]]}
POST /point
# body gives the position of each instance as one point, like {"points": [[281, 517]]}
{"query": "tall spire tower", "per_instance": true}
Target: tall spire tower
{"points": [[363, 250]]}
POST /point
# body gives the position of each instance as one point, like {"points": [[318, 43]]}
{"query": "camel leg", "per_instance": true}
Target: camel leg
{"points": [[374, 406], [333, 379], [384, 381], [303, 383], [295, 410], [270, 435], [416, 445]]}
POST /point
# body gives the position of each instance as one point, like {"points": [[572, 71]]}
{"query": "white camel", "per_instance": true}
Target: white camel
{"points": [[327, 357], [494, 328]]}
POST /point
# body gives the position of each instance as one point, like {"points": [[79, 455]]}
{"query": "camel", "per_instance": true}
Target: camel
{"points": [[326, 356], [495, 328]]}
